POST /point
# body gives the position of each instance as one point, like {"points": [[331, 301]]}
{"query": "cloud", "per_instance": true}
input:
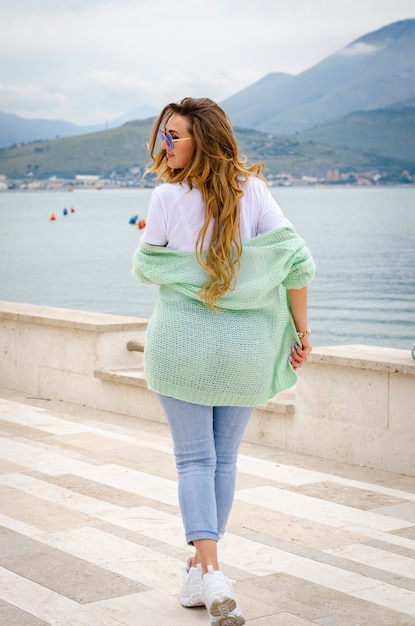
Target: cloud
{"points": [[12, 97], [358, 49], [92, 60], [112, 82]]}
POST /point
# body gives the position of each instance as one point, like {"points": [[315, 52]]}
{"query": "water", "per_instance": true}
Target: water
{"points": [[363, 241]]}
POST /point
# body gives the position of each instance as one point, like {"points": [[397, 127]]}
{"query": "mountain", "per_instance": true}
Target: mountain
{"points": [[246, 105], [375, 71], [117, 149], [17, 130], [352, 112], [122, 152], [141, 113], [386, 132]]}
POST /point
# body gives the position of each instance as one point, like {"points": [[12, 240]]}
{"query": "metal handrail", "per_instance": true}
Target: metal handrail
{"points": [[134, 346]]}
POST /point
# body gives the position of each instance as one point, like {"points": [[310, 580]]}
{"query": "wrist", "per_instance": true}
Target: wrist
{"points": [[303, 334]]}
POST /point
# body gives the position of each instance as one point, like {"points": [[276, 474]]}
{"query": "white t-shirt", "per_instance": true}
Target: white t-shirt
{"points": [[176, 214]]}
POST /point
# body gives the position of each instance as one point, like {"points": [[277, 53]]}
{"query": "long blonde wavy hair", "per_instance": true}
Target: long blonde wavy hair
{"points": [[217, 171]]}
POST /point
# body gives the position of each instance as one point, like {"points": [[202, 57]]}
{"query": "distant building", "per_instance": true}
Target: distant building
{"points": [[90, 180]]}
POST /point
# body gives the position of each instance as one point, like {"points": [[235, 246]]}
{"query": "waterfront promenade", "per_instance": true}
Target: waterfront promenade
{"points": [[91, 532]]}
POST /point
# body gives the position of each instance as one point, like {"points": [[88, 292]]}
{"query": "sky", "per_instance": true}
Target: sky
{"points": [[91, 61]]}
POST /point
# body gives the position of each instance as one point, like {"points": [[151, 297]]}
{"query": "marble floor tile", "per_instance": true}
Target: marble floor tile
{"points": [[153, 608], [38, 459], [364, 499], [10, 523], [293, 528], [7, 467], [140, 483], [296, 476], [324, 512], [151, 522], [403, 510], [47, 492], [47, 605], [14, 429], [44, 515], [92, 442], [42, 420], [381, 559], [120, 498], [320, 605], [281, 619], [91, 533], [45, 421], [12, 616], [409, 532], [278, 472], [68, 575], [114, 554], [401, 600]]}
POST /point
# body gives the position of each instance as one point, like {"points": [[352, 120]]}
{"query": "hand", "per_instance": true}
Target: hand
{"points": [[299, 355]]}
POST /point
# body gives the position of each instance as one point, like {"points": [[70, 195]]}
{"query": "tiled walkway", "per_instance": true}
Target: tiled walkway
{"points": [[91, 533]]}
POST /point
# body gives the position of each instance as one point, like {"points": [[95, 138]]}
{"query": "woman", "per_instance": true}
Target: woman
{"points": [[230, 325]]}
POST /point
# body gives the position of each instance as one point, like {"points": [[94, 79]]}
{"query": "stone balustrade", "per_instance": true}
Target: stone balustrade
{"points": [[354, 404]]}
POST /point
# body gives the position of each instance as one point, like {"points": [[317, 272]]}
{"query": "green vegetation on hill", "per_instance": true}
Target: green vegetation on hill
{"points": [[302, 157], [123, 149], [293, 124], [387, 132], [118, 149]]}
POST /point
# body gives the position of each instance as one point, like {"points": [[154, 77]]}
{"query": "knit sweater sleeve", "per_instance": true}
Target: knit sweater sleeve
{"points": [[278, 257], [166, 266], [302, 269], [237, 355]]}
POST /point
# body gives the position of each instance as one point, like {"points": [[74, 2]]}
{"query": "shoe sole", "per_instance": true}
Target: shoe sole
{"points": [[188, 603], [221, 611]]}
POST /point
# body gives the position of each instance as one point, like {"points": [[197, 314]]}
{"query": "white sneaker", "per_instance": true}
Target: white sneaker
{"points": [[219, 600], [192, 585]]}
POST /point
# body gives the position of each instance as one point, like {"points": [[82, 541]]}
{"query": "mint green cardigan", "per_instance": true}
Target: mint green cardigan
{"points": [[237, 355]]}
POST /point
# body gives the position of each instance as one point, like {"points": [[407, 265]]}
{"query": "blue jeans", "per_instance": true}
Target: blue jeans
{"points": [[206, 443]]}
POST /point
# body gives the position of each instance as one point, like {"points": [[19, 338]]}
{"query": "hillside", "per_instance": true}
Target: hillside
{"points": [[15, 129], [117, 151], [375, 71], [386, 132], [246, 107]]}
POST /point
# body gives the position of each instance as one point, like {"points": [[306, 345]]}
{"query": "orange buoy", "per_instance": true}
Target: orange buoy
{"points": [[52, 217], [72, 209]]}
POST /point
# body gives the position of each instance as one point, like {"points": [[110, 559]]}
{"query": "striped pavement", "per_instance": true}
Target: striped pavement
{"points": [[91, 533]]}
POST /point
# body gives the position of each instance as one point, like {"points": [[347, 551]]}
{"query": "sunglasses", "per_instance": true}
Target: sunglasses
{"points": [[163, 135]]}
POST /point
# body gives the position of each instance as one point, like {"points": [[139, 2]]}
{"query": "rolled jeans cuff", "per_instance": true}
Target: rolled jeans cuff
{"points": [[202, 534]]}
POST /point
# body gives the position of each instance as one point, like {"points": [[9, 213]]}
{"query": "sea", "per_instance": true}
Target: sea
{"points": [[362, 239]]}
